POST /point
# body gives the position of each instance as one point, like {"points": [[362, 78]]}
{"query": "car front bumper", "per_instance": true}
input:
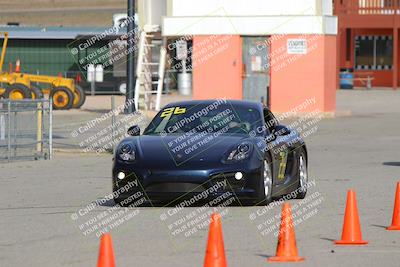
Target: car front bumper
{"points": [[202, 184]]}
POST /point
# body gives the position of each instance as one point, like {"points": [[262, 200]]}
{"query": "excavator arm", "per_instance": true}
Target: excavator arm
{"points": [[3, 50]]}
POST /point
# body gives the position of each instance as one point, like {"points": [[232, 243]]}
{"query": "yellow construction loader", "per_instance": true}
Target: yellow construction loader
{"points": [[65, 94]]}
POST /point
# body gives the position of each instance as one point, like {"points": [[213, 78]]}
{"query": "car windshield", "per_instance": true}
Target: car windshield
{"points": [[222, 117]]}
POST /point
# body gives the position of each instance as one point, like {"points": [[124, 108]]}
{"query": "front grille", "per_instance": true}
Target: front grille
{"points": [[175, 187]]}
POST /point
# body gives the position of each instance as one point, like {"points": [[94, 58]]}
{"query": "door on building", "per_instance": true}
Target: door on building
{"points": [[255, 73]]}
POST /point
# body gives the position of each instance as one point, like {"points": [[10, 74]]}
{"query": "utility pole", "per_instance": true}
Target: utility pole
{"points": [[130, 61]]}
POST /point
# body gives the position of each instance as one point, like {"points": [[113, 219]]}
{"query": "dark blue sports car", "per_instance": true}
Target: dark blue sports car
{"points": [[213, 146]]}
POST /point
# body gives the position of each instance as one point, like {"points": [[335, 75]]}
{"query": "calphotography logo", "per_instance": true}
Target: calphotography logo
{"points": [[190, 214], [92, 220]]}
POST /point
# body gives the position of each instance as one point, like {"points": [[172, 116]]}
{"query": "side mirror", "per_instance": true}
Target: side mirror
{"points": [[134, 130], [281, 130]]}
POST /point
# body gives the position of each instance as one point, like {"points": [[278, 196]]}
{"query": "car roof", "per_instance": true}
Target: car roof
{"points": [[244, 103]]}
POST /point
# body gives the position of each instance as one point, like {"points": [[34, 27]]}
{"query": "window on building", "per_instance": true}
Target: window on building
{"points": [[348, 44], [373, 52], [384, 51]]}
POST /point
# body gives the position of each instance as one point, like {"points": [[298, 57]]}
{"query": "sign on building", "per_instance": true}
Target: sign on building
{"points": [[297, 46], [181, 50]]}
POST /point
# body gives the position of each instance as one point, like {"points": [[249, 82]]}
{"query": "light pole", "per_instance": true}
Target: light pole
{"points": [[130, 61]]}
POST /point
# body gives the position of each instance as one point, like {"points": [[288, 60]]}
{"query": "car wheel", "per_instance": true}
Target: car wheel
{"points": [[266, 182], [302, 174]]}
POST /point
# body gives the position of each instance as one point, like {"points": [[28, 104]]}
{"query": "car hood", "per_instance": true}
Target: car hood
{"points": [[175, 150]]}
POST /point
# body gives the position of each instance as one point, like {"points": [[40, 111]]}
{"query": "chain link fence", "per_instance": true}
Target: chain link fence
{"points": [[25, 129]]}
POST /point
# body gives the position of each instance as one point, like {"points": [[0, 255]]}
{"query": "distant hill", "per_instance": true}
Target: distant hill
{"points": [[61, 12]]}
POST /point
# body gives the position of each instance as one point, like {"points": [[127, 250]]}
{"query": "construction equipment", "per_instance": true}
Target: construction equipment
{"points": [[63, 91], [3, 50], [15, 85], [12, 86], [147, 68]]}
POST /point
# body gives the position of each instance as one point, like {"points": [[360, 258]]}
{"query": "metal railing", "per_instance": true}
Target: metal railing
{"points": [[25, 129], [367, 7]]}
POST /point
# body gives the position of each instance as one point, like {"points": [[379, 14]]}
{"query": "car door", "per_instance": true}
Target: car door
{"points": [[278, 148]]}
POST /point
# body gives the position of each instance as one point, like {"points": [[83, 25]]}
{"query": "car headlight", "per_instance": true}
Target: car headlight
{"points": [[241, 152], [126, 152]]}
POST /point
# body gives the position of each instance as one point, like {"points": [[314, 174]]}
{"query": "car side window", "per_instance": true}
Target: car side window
{"points": [[270, 120]]}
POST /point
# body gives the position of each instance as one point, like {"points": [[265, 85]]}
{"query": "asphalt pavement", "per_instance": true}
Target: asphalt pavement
{"points": [[47, 218]]}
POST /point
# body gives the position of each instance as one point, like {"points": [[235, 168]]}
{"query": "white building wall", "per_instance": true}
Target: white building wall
{"points": [[151, 13], [249, 25], [249, 17], [195, 8]]}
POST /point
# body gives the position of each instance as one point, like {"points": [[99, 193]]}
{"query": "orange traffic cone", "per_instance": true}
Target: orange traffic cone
{"points": [[18, 66], [106, 252], [286, 249], [396, 211], [351, 234], [215, 252]]}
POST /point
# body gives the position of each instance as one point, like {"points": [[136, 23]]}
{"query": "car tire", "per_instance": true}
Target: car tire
{"points": [[302, 174], [266, 181]]}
